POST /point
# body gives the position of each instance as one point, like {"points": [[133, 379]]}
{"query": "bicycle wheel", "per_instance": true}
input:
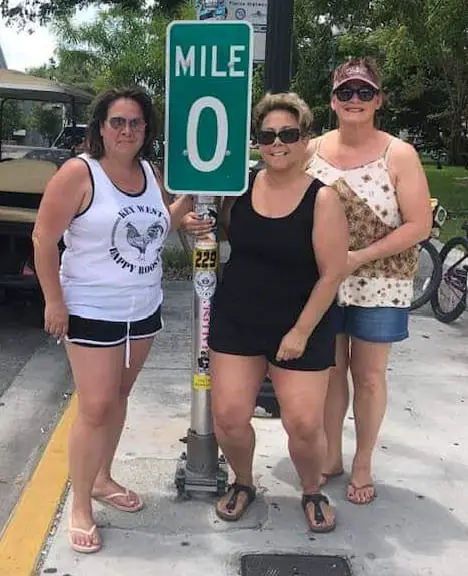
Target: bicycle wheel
{"points": [[428, 276], [449, 301]]}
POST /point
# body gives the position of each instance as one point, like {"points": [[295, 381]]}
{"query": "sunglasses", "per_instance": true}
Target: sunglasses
{"points": [[286, 136], [134, 124], [364, 93]]}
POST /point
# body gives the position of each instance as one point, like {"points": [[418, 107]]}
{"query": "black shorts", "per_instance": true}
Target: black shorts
{"points": [[97, 333], [245, 338]]}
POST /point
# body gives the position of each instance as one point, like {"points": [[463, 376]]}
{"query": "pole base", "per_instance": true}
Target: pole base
{"points": [[192, 474]]}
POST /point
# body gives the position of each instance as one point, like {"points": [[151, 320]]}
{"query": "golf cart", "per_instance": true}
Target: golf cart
{"points": [[24, 174]]}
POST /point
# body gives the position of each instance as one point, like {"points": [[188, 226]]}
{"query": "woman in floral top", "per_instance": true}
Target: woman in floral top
{"points": [[384, 190]]}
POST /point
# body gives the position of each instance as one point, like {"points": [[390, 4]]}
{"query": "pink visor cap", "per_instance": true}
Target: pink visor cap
{"points": [[347, 73]]}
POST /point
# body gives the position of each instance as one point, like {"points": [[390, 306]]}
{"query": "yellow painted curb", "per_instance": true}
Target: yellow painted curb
{"points": [[23, 537]]}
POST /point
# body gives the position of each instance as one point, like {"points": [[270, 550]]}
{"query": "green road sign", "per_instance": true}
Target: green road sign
{"points": [[208, 92]]}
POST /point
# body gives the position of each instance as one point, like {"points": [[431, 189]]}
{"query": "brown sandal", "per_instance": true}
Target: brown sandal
{"points": [[316, 500], [231, 504]]}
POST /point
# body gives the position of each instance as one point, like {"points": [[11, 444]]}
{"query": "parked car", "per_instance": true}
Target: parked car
{"points": [[70, 137], [23, 179]]}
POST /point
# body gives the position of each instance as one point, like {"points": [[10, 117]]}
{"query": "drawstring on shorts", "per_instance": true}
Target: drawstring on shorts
{"points": [[127, 347], [127, 337]]}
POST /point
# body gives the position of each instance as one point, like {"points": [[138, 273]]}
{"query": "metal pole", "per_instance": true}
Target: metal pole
{"points": [[335, 34], [200, 469], [2, 102], [73, 119], [278, 55]]}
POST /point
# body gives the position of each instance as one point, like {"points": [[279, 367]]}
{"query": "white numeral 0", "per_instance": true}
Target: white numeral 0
{"points": [[192, 133]]}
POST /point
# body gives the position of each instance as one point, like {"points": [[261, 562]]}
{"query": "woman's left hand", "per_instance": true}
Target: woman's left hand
{"points": [[195, 225], [292, 345], [355, 261]]}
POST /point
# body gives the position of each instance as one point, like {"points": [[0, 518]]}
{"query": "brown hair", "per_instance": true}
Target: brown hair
{"points": [[289, 102], [99, 110]]}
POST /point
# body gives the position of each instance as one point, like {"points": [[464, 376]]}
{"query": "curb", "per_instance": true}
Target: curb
{"points": [[25, 533]]}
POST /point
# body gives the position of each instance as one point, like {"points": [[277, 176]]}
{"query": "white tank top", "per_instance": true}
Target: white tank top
{"points": [[111, 267]]}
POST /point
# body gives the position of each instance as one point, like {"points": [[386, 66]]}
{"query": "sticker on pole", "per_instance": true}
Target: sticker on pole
{"points": [[201, 382], [205, 258], [208, 99]]}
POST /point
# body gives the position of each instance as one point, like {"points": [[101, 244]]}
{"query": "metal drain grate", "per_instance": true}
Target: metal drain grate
{"points": [[294, 565]]}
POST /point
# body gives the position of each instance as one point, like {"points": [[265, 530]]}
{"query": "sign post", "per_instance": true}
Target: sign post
{"points": [[208, 94]]}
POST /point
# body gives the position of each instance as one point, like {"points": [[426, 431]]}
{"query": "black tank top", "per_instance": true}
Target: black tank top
{"points": [[272, 268]]}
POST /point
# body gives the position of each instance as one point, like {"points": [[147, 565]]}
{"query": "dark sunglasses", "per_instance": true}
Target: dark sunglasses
{"points": [[364, 93], [134, 124], [286, 136]]}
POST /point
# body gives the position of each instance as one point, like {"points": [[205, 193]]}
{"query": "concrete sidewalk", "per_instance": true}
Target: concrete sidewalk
{"points": [[418, 526]]}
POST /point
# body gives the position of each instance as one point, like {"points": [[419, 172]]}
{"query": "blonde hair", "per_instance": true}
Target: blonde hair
{"points": [[289, 102]]}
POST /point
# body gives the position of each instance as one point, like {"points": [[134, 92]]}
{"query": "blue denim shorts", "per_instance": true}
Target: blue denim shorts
{"points": [[374, 324]]}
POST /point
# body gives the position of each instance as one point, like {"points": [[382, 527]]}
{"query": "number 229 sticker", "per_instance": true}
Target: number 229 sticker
{"points": [[205, 259]]}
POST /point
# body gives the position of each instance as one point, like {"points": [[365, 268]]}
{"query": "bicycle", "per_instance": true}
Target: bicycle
{"points": [[429, 273], [449, 300]]}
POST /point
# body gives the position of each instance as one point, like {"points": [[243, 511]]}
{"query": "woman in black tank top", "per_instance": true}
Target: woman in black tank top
{"points": [[274, 308]]}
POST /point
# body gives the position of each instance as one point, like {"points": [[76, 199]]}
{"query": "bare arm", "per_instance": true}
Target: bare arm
{"points": [[181, 212], [179, 207], [415, 206], [330, 242], [310, 151], [225, 217], [65, 195]]}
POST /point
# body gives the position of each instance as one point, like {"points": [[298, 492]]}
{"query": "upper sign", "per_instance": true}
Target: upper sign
{"points": [[253, 11], [208, 95]]}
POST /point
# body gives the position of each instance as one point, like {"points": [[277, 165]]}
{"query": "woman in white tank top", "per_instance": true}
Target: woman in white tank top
{"points": [[385, 194], [105, 302]]}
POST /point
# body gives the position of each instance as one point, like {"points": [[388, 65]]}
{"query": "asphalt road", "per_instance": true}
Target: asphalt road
{"points": [[20, 336], [35, 384]]}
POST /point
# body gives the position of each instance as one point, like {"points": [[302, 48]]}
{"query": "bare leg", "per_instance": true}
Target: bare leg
{"points": [[301, 396], [236, 383], [104, 484], [336, 406], [97, 374], [369, 362]]}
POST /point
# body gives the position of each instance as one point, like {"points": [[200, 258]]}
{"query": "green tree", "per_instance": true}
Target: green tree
{"points": [[422, 46], [12, 119], [73, 67], [120, 48], [46, 120], [73, 70], [437, 45], [41, 11], [314, 54]]}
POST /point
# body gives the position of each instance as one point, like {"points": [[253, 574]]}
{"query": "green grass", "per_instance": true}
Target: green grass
{"points": [[177, 264], [255, 154], [450, 186]]}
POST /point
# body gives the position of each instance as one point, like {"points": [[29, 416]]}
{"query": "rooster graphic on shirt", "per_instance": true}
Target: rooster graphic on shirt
{"points": [[141, 241], [138, 237]]}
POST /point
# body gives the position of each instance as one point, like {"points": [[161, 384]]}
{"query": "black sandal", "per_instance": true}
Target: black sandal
{"points": [[232, 502], [316, 500]]}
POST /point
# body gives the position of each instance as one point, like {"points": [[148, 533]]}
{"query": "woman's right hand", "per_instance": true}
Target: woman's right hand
{"points": [[196, 225], [56, 319]]}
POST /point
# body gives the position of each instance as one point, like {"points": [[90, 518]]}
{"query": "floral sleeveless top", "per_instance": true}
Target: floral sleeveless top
{"points": [[371, 205]]}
